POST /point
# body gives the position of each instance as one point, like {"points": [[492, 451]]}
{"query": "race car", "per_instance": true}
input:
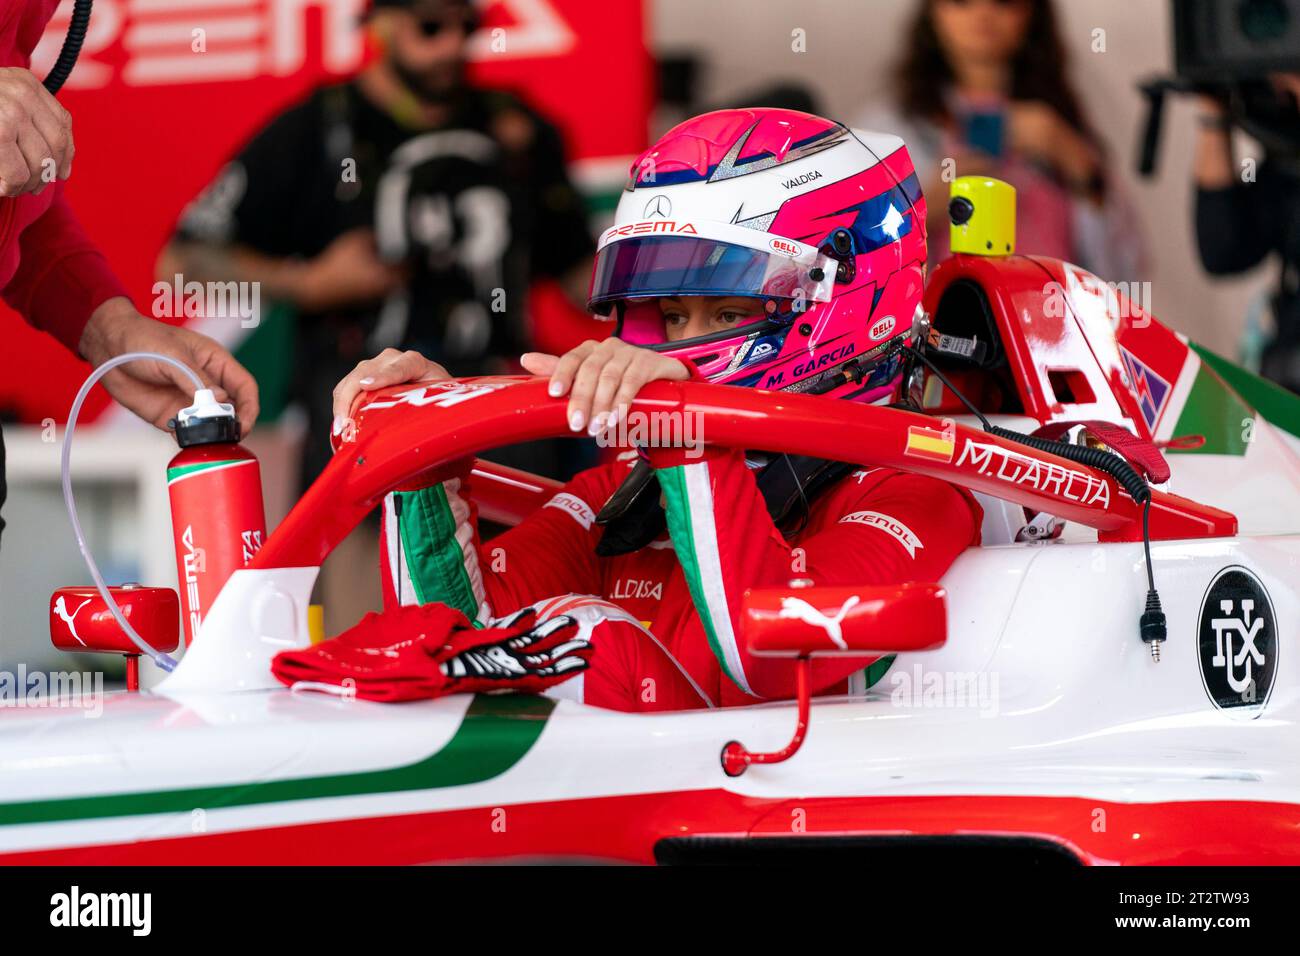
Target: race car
{"points": [[1024, 710]]}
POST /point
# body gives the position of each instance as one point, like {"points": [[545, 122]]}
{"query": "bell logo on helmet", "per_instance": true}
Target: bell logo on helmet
{"points": [[660, 206], [882, 328], [785, 247]]}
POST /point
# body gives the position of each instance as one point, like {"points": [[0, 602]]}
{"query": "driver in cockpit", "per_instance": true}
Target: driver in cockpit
{"points": [[761, 248]]}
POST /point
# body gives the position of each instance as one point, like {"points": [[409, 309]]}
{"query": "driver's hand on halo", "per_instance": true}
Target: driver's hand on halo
{"points": [[602, 378], [389, 367]]}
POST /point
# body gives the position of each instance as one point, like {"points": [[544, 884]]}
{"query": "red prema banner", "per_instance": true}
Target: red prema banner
{"points": [[154, 119]]}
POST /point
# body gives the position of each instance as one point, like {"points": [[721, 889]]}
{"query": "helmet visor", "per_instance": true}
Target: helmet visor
{"points": [[676, 259]]}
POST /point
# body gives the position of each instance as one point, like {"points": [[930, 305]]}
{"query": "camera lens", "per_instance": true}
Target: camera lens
{"points": [[1263, 20]]}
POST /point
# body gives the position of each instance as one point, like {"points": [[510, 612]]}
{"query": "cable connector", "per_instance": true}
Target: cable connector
{"points": [[1152, 624]]}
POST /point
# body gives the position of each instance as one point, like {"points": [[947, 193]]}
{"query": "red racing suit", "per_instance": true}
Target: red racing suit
{"points": [[50, 271], [665, 617]]}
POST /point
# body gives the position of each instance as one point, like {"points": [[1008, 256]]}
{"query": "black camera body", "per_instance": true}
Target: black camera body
{"points": [[1227, 49], [1217, 41]]}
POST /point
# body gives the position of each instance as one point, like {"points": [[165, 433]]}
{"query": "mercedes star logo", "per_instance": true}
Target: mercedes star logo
{"points": [[658, 206]]}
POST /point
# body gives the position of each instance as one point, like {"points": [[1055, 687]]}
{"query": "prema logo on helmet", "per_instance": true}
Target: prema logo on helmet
{"points": [[647, 226]]}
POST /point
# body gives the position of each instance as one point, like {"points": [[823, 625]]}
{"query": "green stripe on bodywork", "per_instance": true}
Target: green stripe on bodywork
{"points": [[876, 669], [678, 508], [1215, 411], [1280, 407], [494, 735], [434, 558], [184, 471]]}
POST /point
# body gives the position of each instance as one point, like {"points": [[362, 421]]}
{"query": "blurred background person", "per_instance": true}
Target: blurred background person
{"points": [[1242, 220], [403, 208], [397, 209], [983, 83]]}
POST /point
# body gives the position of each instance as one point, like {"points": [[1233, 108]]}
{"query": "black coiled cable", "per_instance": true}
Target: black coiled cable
{"points": [[1115, 466], [1151, 625], [71, 46]]}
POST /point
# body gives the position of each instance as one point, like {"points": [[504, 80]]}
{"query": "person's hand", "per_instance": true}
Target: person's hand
{"points": [[389, 367], [347, 272], [1039, 132], [35, 134], [1212, 106], [1287, 84], [602, 378], [156, 391]]}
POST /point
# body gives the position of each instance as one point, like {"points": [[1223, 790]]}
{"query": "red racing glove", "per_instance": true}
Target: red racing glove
{"points": [[422, 651]]}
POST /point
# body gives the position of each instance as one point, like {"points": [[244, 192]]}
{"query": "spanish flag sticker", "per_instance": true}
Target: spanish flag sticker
{"points": [[930, 443]]}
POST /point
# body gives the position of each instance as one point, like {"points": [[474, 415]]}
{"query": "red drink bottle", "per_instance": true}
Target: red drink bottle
{"points": [[215, 487]]}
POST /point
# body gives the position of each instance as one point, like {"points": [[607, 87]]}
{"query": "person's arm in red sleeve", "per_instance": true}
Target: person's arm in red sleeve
{"points": [[727, 542], [64, 286], [432, 551], [62, 277]]}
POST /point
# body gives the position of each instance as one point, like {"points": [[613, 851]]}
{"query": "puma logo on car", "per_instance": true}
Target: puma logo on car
{"points": [[800, 610], [61, 610]]}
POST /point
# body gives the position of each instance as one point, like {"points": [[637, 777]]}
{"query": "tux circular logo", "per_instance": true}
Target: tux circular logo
{"points": [[1237, 635]]}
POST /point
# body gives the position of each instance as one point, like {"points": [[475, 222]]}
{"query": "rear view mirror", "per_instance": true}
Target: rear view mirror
{"points": [[798, 621]]}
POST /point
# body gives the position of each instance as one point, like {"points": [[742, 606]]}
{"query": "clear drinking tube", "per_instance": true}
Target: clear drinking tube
{"points": [[164, 661]]}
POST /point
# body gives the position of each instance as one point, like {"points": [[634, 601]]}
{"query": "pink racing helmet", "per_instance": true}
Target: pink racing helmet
{"points": [[824, 224]]}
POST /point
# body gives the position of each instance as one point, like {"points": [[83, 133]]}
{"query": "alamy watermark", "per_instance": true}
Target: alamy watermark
{"points": [[1122, 301], [940, 689], [214, 300], [667, 429], [79, 690]]}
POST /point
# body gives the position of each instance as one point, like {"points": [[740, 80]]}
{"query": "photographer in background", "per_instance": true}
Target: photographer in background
{"points": [[1240, 222]]}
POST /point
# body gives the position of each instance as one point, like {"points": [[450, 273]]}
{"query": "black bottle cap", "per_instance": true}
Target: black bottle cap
{"points": [[207, 431]]}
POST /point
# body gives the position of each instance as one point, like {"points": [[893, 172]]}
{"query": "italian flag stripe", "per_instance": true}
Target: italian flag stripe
{"points": [[185, 471], [1278, 406], [438, 542], [688, 493], [398, 569], [494, 735]]}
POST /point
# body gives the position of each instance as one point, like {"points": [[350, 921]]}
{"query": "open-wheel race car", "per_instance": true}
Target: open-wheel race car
{"points": [[1024, 708]]}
